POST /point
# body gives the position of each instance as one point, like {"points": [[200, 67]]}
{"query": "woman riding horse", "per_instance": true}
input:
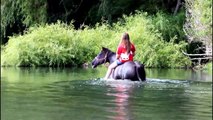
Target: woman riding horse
{"points": [[121, 63], [131, 70], [125, 52]]}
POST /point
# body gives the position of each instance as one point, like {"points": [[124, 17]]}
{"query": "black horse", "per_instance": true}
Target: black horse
{"points": [[131, 70]]}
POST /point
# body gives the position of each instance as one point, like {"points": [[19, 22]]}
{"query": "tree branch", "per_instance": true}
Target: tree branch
{"points": [[177, 7], [209, 55]]}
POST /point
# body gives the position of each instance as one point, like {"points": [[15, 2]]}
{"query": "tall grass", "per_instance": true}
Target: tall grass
{"points": [[208, 67], [61, 45], [170, 25]]}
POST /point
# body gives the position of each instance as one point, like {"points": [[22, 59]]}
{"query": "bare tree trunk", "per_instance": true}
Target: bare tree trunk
{"points": [[177, 7], [209, 49]]}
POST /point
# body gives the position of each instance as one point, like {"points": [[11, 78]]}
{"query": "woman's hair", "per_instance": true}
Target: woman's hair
{"points": [[125, 40]]}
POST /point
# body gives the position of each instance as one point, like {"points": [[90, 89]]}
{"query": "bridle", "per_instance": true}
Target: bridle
{"points": [[105, 57]]}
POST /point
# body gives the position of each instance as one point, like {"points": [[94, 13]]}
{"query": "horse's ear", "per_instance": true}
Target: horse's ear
{"points": [[104, 49]]}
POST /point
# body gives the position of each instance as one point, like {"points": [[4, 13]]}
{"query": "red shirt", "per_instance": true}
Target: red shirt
{"points": [[124, 57]]}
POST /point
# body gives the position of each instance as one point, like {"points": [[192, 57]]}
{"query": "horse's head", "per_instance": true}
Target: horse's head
{"points": [[101, 58]]}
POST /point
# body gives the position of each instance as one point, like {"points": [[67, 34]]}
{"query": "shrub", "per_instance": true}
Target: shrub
{"points": [[61, 45], [170, 25], [208, 67]]}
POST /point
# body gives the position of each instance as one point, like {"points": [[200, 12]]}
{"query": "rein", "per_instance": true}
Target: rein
{"points": [[105, 57]]}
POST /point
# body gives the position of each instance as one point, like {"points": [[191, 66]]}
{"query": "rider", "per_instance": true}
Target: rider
{"points": [[125, 52]]}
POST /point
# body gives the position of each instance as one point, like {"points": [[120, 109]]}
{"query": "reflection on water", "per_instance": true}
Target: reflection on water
{"points": [[121, 93], [66, 94]]}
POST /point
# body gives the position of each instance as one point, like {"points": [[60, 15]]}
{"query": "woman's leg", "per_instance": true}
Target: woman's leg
{"points": [[110, 68]]}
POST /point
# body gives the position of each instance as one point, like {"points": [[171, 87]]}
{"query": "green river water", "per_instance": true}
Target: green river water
{"points": [[80, 94]]}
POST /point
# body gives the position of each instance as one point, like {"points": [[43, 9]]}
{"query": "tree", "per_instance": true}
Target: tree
{"points": [[16, 15], [198, 26]]}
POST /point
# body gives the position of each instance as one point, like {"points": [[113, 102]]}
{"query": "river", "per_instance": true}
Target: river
{"points": [[80, 94]]}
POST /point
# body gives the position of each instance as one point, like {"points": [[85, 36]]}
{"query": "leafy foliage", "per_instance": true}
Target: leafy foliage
{"points": [[170, 25], [208, 67], [198, 26], [61, 45], [18, 14]]}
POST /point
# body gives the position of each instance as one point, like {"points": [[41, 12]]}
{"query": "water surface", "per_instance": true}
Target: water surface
{"points": [[79, 94]]}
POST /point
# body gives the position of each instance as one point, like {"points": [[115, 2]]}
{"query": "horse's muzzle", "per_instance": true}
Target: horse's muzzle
{"points": [[94, 66]]}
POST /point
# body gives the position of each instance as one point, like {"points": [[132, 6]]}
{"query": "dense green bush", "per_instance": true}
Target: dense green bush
{"points": [[170, 25], [208, 67], [60, 44]]}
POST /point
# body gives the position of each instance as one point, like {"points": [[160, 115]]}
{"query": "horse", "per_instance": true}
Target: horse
{"points": [[131, 70]]}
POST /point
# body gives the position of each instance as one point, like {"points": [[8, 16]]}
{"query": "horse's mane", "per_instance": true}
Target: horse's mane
{"points": [[108, 50]]}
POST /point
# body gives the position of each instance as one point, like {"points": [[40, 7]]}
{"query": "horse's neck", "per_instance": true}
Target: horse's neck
{"points": [[112, 57]]}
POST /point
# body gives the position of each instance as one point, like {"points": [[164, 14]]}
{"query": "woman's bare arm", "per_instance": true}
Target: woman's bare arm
{"points": [[117, 56]]}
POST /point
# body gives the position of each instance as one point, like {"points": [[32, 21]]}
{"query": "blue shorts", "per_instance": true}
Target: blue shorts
{"points": [[118, 62]]}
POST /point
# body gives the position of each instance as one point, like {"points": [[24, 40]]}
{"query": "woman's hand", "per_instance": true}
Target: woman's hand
{"points": [[133, 53], [117, 56]]}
